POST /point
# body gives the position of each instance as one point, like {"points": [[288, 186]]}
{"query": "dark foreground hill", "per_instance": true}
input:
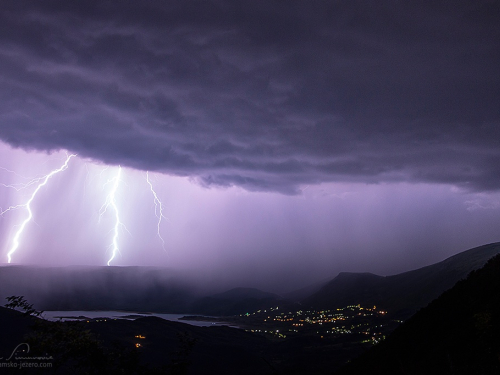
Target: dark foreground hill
{"points": [[152, 345], [145, 346], [458, 333], [403, 294]]}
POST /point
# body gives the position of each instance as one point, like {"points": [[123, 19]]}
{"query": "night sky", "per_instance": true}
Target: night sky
{"points": [[287, 140]]}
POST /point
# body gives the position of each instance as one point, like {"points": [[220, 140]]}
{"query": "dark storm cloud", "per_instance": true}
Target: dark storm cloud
{"points": [[267, 95]]}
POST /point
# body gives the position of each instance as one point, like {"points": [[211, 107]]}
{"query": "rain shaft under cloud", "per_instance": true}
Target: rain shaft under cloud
{"points": [[235, 237]]}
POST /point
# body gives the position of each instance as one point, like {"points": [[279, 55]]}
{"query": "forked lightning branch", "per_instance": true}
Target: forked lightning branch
{"points": [[110, 204]]}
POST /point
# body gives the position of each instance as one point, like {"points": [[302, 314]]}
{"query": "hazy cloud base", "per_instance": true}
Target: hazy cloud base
{"points": [[266, 95]]}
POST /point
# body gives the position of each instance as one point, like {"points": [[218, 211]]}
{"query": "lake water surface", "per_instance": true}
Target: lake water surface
{"points": [[131, 315]]}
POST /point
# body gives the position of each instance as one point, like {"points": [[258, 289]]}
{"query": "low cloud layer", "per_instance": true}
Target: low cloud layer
{"points": [[266, 95]]}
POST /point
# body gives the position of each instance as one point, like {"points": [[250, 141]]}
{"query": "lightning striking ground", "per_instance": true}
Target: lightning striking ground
{"points": [[111, 205], [111, 201], [158, 210], [42, 181]]}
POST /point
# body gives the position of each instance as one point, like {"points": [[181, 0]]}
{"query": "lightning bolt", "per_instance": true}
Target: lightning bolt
{"points": [[158, 210], [111, 201], [41, 181], [109, 206]]}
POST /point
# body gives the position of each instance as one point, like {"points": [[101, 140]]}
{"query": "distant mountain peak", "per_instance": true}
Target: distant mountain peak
{"points": [[404, 293]]}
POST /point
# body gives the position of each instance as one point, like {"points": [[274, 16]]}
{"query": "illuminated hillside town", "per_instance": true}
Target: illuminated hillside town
{"points": [[352, 323]]}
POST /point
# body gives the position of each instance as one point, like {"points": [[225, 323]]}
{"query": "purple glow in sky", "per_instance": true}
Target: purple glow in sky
{"points": [[248, 236], [297, 139]]}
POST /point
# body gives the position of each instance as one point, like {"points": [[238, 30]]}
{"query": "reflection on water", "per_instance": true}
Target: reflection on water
{"points": [[130, 315]]}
